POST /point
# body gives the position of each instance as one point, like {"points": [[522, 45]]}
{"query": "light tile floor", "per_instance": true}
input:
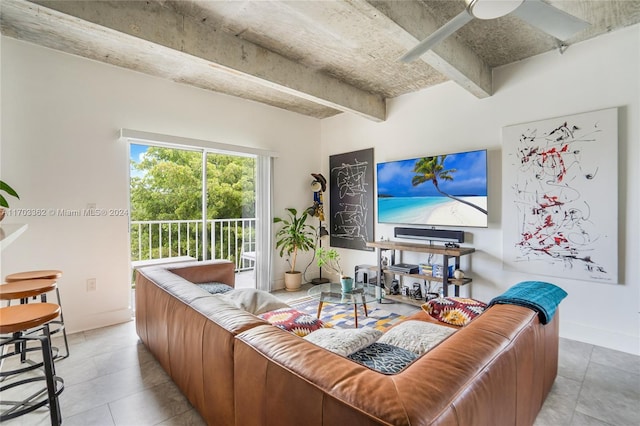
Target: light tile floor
{"points": [[111, 379]]}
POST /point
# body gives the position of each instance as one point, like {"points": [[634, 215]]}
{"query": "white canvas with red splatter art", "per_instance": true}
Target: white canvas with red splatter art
{"points": [[560, 196]]}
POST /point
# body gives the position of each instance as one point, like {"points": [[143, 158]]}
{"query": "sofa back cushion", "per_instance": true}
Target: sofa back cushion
{"points": [[254, 301], [173, 284]]}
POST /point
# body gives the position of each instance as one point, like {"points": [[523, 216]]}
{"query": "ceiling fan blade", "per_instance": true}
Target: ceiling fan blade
{"points": [[437, 36], [550, 19]]}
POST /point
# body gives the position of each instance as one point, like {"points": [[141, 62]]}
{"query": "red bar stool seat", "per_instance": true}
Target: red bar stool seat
{"points": [[19, 325], [23, 285]]}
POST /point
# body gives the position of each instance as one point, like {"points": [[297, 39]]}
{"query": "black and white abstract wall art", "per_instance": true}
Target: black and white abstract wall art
{"points": [[560, 196], [351, 190]]}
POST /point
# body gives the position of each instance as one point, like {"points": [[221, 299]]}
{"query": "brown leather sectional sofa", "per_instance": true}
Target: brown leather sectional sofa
{"points": [[192, 333], [238, 370]]}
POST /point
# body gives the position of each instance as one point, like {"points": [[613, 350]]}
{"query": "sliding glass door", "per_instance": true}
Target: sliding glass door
{"points": [[166, 203], [196, 203], [230, 200]]}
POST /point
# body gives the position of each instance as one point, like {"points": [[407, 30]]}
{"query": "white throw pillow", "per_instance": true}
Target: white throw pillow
{"points": [[254, 301], [416, 336], [344, 341]]}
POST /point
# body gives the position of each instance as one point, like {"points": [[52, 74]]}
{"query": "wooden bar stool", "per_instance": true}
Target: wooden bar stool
{"points": [[23, 290], [18, 279], [19, 325], [34, 275], [26, 289]]}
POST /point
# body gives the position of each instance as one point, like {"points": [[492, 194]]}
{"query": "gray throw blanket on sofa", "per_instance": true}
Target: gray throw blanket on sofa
{"points": [[540, 296]]}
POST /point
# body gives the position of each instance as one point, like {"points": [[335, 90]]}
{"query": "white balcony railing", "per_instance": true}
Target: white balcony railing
{"points": [[226, 239]]}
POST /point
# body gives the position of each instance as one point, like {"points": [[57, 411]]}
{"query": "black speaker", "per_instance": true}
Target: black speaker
{"points": [[430, 234]]}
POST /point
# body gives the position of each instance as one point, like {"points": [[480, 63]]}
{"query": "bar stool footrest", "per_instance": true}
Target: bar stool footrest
{"points": [[29, 404]]}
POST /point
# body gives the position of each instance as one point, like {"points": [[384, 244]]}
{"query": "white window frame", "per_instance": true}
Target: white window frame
{"points": [[264, 188]]}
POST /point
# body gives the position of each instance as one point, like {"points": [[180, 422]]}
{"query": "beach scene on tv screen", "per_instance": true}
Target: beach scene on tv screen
{"points": [[442, 190]]}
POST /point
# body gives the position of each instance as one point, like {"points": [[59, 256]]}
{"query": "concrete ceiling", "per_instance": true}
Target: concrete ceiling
{"points": [[317, 58]]}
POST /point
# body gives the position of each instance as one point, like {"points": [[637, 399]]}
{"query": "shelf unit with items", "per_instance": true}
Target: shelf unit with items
{"points": [[447, 253]]}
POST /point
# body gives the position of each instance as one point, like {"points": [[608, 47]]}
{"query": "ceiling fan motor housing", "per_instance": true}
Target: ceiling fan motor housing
{"points": [[491, 9]]}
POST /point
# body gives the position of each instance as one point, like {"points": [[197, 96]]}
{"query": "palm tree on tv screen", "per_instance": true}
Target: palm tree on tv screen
{"points": [[431, 169]]}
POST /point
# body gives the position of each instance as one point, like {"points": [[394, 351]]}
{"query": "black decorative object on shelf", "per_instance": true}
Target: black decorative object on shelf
{"points": [[405, 268]]}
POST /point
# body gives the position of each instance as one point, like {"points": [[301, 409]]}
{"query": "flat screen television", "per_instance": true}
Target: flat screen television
{"points": [[440, 190]]}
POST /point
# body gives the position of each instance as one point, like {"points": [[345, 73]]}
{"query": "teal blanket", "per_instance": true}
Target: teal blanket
{"points": [[542, 297]]}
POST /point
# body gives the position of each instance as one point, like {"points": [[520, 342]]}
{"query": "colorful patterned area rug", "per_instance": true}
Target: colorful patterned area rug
{"points": [[341, 316]]}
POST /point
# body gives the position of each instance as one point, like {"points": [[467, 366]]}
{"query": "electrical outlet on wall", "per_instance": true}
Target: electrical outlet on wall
{"points": [[91, 284]]}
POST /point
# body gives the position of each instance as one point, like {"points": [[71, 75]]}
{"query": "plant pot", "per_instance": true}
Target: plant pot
{"points": [[292, 280], [2, 213], [347, 284]]}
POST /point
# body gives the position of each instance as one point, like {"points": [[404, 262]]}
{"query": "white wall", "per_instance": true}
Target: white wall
{"points": [[60, 120], [592, 75]]}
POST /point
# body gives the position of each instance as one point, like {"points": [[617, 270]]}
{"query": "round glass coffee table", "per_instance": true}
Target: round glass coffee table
{"points": [[332, 293]]}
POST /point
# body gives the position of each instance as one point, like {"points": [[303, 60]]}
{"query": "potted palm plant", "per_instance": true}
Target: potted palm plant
{"points": [[4, 187], [294, 236], [330, 259]]}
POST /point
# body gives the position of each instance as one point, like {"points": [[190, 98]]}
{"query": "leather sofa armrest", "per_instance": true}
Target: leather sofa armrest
{"points": [[221, 271]]}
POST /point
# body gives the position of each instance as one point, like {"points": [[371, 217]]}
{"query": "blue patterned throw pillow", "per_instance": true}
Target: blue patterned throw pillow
{"points": [[385, 358], [215, 288]]}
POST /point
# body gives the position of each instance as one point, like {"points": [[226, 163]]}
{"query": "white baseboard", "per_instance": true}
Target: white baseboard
{"points": [[103, 319], [601, 337]]}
